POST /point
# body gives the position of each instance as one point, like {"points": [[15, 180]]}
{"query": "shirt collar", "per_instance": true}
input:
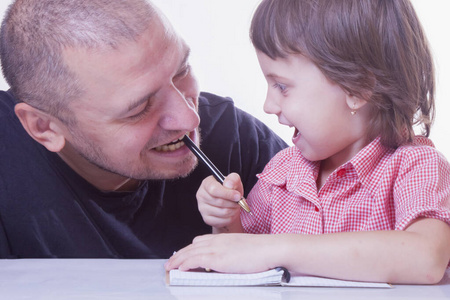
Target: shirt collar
{"points": [[366, 160], [291, 169]]}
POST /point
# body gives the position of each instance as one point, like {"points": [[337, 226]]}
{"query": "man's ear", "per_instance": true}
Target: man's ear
{"points": [[42, 127]]}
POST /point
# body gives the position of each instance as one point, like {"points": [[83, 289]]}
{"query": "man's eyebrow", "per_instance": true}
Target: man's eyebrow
{"points": [[138, 102]]}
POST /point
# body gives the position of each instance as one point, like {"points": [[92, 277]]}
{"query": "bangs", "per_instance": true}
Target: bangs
{"points": [[278, 27]]}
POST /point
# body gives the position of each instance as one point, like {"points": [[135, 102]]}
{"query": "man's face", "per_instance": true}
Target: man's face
{"points": [[139, 100]]}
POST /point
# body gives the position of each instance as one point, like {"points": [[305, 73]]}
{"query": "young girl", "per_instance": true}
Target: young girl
{"points": [[358, 197]]}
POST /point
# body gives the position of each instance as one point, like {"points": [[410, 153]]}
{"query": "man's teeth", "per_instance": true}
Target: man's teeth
{"points": [[174, 145]]}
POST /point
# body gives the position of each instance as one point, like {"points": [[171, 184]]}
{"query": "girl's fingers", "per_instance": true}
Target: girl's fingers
{"points": [[216, 190], [197, 249], [233, 181]]}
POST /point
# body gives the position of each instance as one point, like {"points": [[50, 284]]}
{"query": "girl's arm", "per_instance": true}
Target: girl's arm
{"points": [[418, 255]]}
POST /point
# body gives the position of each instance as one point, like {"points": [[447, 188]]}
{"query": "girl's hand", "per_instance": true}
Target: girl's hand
{"points": [[230, 253], [217, 203]]}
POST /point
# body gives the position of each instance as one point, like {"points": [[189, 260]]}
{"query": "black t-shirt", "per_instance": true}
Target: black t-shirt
{"points": [[48, 210]]}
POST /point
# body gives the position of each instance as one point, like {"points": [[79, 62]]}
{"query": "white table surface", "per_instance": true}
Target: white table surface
{"points": [[145, 279]]}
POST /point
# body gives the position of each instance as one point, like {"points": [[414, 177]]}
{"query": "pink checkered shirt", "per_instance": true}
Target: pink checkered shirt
{"points": [[379, 189]]}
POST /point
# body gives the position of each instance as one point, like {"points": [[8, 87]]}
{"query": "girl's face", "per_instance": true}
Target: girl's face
{"points": [[318, 109]]}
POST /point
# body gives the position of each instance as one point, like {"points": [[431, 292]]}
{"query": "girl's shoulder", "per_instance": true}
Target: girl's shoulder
{"points": [[421, 148], [421, 153]]}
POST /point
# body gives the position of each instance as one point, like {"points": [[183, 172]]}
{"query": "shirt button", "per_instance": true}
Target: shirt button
{"points": [[341, 172], [316, 208]]}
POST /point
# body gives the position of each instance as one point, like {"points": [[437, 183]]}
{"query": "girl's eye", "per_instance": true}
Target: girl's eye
{"points": [[281, 87]]}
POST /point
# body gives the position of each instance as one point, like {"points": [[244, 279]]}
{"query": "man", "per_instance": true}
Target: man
{"points": [[92, 164]]}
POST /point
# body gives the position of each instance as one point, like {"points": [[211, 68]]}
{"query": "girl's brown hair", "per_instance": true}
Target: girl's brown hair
{"points": [[374, 49]]}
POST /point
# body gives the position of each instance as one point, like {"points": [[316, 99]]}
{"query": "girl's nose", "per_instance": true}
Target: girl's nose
{"points": [[271, 105]]}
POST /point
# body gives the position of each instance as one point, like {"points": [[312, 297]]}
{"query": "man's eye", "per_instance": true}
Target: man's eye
{"points": [[142, 113], [183, 72]]}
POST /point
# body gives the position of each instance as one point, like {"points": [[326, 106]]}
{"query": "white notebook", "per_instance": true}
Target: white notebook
{"points": [[275, 277]]}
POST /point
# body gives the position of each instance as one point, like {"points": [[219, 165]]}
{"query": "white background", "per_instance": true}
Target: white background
{"points": [[225, 63]]}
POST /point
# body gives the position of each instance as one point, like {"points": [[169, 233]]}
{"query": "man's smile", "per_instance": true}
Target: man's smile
{"points": [[172, 146]]}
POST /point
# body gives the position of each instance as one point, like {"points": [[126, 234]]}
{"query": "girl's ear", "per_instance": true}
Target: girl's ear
{"points": [[354, 103], [43, 128]]}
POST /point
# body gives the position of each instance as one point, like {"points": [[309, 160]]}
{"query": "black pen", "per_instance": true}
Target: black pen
{"points": [[215, 172]]}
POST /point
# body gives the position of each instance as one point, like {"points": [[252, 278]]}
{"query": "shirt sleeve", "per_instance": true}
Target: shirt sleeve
{"points": [[259, 201], [260, 197], [422, 187]]}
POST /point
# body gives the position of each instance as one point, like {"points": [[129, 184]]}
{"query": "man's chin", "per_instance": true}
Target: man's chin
{"points": [[183, 174], [182, 171]]}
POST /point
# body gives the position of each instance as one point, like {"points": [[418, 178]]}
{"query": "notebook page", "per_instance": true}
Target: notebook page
{"points": [[193, 278], [311, 281]]}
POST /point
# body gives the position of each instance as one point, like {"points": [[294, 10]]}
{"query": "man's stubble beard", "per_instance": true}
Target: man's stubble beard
{"points": [[95, 156]]}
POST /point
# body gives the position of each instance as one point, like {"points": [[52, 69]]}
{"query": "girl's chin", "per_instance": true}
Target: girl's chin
{"points": [[296, 136]]}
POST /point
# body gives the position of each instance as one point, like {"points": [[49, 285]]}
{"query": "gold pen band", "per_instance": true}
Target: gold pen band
{"points": [[244, 205]]}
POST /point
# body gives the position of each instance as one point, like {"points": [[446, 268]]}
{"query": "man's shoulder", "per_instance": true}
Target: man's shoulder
{"points": [[217, 114], [17, 149], [209, 99], [10, 126], [221, 114], [211, 105], [216, 109], [7, 103]]}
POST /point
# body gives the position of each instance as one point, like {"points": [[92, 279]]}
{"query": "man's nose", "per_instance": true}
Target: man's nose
{"points": [[180, 112]]}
